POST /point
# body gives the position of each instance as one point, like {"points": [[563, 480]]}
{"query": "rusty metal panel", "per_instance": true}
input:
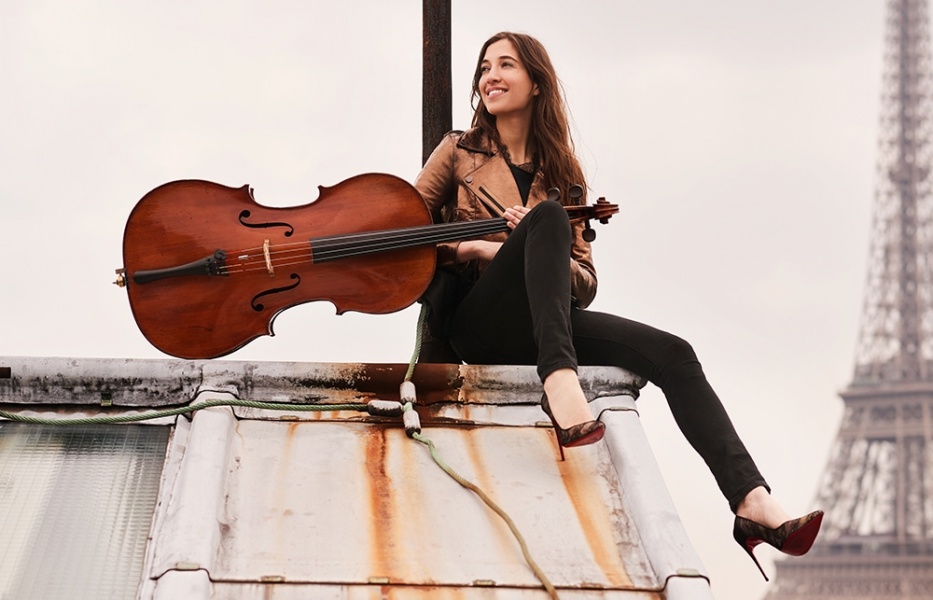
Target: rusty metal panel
{"points": [[256, 503], [356, 506], [352, 502], [388, 513]]}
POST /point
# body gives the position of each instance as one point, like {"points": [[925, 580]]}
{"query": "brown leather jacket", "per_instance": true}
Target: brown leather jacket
{"points": [[467, 178]]}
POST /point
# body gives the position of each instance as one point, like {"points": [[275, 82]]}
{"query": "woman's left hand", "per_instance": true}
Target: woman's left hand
{"points": [[514, 215]]}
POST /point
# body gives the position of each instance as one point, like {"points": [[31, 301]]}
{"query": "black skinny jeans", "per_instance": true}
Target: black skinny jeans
{"points": [[519, 312]]}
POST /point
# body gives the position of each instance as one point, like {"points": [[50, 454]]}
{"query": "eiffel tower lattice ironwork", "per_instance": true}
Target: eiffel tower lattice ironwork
{"points": [[877, 488]]}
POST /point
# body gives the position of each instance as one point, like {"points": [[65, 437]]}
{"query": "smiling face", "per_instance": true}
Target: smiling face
{"points": [[505, 87]]}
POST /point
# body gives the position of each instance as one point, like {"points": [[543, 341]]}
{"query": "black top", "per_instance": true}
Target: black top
{"points": [[523, 179]]}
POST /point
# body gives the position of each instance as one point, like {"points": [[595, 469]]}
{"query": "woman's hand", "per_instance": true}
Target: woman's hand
{"points": [[477, 249], [484, 250], [514, 215]]}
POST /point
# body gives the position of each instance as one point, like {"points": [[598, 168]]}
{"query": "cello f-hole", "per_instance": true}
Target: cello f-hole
{"points": [[245, 215], [259, 307]]}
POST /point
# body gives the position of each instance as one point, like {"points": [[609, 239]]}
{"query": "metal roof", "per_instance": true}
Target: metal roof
{"points": [[259, 503]]}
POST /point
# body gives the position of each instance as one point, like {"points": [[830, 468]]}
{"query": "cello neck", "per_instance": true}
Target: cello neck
{"points": [[356, 244]]}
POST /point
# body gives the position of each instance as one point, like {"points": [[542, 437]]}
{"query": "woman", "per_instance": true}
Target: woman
{"points": [[527, 291]]}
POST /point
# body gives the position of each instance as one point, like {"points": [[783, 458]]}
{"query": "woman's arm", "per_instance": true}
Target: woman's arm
{"points": [[477, 250], [436, 185]]}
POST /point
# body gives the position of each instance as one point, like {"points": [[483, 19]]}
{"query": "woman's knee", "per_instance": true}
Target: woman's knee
{"points": [[550, 209], [679, 349], [549, 214], [680, 361]]}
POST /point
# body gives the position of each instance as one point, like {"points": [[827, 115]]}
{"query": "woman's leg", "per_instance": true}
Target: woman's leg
{"points": [[670, 363], [518, 312]]}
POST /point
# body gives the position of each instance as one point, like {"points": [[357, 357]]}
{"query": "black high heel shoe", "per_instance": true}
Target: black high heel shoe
{"points": [[792, 537], [588, 432]]}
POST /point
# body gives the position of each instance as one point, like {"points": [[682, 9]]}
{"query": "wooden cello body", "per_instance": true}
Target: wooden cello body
{"points": [[188, 307], [207, 268]]}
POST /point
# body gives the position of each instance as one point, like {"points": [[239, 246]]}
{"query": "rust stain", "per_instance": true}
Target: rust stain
{"points": [[435, 382], [593, 515], [381, 503], [484, 482], [282, 487], [286, 459]]}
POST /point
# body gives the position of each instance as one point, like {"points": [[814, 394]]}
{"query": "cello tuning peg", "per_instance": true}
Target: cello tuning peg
{"points": [[553, 194], [589, 234], [576, 192], [602, 201]]}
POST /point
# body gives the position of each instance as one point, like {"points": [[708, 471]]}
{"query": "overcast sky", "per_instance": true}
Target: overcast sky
{"points": [[738, 137]]}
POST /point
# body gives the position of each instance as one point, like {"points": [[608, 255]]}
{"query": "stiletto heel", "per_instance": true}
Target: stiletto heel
{"points": [[588, 432], [794, 537]]}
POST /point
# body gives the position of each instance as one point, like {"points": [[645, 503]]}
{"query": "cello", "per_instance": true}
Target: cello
{"points": [[207, 268]]}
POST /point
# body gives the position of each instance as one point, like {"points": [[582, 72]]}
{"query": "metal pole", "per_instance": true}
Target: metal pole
{"points": [[436, 111]]}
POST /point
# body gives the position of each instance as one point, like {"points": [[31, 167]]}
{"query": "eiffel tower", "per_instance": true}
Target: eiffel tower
{"points": [[877, 488]]}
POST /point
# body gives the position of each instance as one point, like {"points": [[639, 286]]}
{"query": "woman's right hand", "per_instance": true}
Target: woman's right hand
{"points": [[477, 250]]}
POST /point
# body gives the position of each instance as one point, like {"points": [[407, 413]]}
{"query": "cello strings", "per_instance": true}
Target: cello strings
{"points": [[402, 234], [357, 244], [360, 243], [346, 246]]}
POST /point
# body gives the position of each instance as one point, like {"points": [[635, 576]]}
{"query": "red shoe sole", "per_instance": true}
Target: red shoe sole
{"points": [[799, 542]]}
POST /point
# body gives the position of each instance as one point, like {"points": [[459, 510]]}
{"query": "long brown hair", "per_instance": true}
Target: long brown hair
{"points": [[550, 129]]}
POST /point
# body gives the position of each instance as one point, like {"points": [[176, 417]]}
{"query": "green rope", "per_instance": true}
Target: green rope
{"points": [[180, 411], [416, 435], [418, 339], [552, 592]]}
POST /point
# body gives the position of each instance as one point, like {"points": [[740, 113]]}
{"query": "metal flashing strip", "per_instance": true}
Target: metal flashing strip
{"points": [[169, 382], [661, 532], [192, 513], [265, 591], [97, 382]]}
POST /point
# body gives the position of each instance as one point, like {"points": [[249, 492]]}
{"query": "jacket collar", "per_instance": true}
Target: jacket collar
{"points": [[474, 140], [487, 177]]}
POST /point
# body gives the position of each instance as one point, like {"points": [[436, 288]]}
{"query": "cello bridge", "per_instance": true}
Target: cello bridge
{"points": [[265, 253]]}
